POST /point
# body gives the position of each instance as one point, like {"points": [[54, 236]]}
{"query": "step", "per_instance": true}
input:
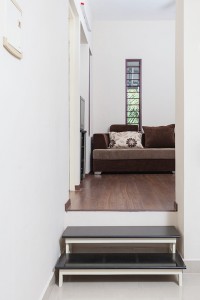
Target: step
{"points": [[121, 234], [120, 263]]}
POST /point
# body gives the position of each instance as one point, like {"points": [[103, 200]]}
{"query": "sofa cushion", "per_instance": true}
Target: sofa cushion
{"points": [[123, 127], [100, 141], [159, 137], [145, 153], [126, 139]]}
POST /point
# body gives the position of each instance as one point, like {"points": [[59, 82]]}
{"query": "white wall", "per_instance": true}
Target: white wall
{"points": [[78, 83], [34, 149], [154, 43], [88, 34], [188, 138], [180, 118], [84, 62], [191, 129]]}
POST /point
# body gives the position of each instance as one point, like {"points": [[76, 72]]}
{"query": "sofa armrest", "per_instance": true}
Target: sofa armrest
{"points": [[100, 141]]}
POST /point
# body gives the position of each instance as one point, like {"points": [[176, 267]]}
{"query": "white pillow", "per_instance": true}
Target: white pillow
{"points": [[125, 140]]}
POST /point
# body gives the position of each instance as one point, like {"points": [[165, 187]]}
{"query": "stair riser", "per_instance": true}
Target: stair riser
{"points": [[121, 219]]}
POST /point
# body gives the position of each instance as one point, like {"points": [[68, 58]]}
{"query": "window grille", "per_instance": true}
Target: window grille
{"points": [[133, 91]]}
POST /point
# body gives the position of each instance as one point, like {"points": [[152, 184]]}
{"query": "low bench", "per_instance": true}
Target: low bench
{"points": [[121, 263], [121, 235]]}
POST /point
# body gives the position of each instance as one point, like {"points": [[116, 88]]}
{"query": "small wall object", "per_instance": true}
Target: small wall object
{"points": [[12, 28], [85, 16]]}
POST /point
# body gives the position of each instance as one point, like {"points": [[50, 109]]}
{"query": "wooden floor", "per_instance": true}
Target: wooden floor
{"points": [[124, 192]]}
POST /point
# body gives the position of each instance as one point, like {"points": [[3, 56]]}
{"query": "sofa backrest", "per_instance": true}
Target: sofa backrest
{"points": [[100, 141], [123, 127]]}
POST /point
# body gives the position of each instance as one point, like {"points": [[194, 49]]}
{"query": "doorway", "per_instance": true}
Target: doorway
{"points": [[74, 96]]}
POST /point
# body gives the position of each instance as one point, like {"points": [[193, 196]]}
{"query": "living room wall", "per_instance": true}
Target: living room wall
{"points": [[154, 43]]}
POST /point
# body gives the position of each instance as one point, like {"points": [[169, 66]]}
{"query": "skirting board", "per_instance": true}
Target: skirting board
{"points": [[67, 204], [47, 290], [193, 266]]}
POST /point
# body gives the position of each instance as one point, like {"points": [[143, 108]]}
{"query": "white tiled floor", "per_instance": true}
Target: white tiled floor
{"points": [[125, 288]]}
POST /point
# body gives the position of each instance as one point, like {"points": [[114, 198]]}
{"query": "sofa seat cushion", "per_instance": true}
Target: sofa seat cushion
{"points": [[145, 153]]}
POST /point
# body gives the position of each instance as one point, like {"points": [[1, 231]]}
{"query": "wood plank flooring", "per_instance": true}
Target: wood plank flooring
{"points": [[125, 192]]}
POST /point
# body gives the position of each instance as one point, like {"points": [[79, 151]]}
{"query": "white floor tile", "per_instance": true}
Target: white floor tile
{"points": [[128, 287]]}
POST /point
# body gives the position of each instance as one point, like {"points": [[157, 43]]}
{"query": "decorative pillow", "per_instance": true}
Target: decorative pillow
{"points": [[125, 140], [159, 137]]}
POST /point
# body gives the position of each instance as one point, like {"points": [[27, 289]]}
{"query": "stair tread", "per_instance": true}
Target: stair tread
{"points": [[120, 261], [121, 232]]}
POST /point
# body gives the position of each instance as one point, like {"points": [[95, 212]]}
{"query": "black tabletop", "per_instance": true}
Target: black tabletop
{"points": [[121, 232]]}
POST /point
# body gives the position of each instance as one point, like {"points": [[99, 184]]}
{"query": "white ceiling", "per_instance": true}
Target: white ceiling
{"points": [[133, 9]]}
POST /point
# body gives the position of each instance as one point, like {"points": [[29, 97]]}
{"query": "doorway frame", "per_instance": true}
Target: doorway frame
{"points": [[74, 96]]}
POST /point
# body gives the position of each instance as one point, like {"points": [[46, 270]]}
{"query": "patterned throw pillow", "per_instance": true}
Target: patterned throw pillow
{"points": [[125, 140]]}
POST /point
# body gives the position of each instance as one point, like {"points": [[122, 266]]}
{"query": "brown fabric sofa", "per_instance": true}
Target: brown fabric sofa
{"points": [[148, 159]]}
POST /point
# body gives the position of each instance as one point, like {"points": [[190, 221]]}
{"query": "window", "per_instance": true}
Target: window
{"points": [[133, 91]]}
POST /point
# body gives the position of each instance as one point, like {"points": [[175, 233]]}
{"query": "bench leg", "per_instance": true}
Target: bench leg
{"points": [[173, 248], [180, 279], [60, 283], [68, 248], [97, 173]]}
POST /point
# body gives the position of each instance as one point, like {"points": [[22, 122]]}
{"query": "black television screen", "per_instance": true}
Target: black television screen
{"points": [[82, 114]]}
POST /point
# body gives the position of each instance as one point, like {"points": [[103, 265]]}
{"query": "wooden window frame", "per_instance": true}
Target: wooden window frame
{"points": [[140, 90]]}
